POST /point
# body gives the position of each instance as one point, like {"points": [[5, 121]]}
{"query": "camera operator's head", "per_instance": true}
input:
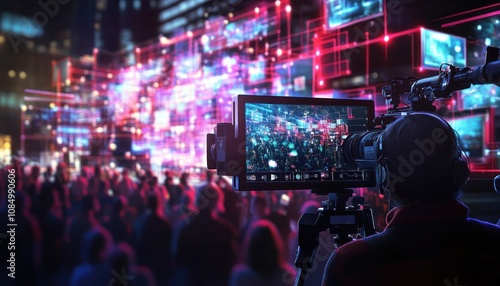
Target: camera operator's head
{"points": [[423, 158]]}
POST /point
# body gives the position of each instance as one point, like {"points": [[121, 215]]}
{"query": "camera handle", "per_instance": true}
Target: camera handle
{"points": [[339, 219]]}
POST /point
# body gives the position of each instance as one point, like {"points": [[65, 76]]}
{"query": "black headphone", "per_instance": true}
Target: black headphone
{"points": [[460, 161]]}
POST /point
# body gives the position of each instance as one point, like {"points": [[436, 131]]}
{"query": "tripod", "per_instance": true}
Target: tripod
{"points": [[336, 216]]}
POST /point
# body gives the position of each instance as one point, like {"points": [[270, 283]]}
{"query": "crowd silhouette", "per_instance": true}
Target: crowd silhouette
{"points": [[107, 227]]}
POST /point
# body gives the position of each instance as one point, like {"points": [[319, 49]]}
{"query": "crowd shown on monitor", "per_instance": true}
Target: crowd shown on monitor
{"points": [[308, 148]]}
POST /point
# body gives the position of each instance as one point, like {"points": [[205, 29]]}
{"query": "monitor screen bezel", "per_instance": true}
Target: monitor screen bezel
{"points": [[240, 182]]}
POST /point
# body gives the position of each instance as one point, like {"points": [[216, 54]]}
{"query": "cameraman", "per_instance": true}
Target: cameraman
{"points": [[429, 238]]}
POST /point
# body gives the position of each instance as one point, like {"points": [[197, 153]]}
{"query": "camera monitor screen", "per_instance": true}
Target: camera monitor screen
{"points": [[296, 142]]}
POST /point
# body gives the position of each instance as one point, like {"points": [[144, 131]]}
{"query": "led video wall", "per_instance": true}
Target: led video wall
{"points": [[167, 96]]}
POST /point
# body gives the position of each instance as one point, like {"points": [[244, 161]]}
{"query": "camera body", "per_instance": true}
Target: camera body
{"points": [[220, 153]]}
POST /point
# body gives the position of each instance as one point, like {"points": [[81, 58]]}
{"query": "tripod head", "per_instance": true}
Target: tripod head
{"points": [[339, 218]]}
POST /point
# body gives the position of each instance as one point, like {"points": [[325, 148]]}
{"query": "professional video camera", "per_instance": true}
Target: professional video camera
{"points": [[323, 144], [327, 145], [284, 143]]}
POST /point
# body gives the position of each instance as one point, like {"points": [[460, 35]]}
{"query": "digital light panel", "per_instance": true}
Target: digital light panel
{"points": [[293, 78]]}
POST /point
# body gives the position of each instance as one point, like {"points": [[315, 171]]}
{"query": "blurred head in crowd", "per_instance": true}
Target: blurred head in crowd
{"points": [[209, 198]]}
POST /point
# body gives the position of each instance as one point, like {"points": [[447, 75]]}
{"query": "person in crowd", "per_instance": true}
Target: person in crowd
{"points": [[144, 176], [152, 187], [52, 229], [138, 202], [207, 245], [61, 181], [259, 209], [153, 235], [79, 187], [116, 224], [429, 238], [174, 192], [92, 270], [114, 179], [124, 270], [279, 215], [183, 213], [98, 185], [184, 184], [232, 202], [210, 176], [33, 184], [180, 216], [126, 185], [48, 180], [264, 258], [83, 221]]}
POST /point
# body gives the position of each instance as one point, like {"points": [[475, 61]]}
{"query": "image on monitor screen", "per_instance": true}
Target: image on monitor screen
{"points": [[291, 142], [342, 13], [438, 48]]}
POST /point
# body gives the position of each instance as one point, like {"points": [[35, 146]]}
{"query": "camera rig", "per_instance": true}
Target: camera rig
{"points": [[422, 93], [336, 216], [226, 151]]}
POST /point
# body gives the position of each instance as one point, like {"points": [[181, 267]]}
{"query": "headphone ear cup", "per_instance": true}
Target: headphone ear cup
{"points": [[382, 176]]}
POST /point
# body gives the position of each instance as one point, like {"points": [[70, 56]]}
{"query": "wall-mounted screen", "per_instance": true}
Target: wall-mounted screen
{"points": [[341, 13], [471, 130], [481, 95], [438, 48]]}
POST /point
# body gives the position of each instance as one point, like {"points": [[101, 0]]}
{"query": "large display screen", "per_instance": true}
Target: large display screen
{"points": [[471, 130], [342, 13], [480, 96], [296, 142], [438, 48]]}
